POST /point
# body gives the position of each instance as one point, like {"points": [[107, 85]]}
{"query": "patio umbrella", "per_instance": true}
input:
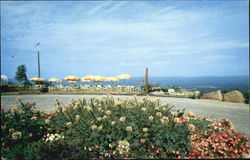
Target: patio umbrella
{"points": [[98, 79], [113, 79], [85, 80], [55, 80], [35, 79], [71, 79], [124, 76], [89, 77], [3, 79]]}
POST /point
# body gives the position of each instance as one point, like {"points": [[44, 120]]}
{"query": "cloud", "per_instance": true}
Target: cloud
{"points": [[115, 7], [124, 34], [99, 8]]}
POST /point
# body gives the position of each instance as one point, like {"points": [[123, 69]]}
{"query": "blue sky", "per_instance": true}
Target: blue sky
{"points": [[192, 38]]}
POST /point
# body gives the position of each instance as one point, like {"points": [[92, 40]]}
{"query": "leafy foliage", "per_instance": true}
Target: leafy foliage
{"points": [[110, 128], [20, 127], [21, 75]]}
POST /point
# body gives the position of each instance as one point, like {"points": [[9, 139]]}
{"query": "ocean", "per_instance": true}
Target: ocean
{"points": [[204, 84]]}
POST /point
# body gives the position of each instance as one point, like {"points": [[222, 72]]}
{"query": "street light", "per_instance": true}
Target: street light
{"points": [[38, 58]]}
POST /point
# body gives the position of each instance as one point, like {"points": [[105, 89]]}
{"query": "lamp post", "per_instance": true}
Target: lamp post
{"points": [[38, 59]]}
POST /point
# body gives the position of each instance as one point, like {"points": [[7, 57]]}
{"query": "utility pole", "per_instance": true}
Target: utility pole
{"points": [[146, 79], [38, 58]]}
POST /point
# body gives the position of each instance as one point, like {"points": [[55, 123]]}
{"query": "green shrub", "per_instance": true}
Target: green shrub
{"points": [[20, 127], [109, 128], [96, 129]]}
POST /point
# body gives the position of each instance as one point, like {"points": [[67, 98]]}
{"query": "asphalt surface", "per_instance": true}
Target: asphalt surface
{"points": [[238, 113]]}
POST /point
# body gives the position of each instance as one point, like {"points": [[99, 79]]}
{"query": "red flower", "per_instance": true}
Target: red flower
{"points": [[157, 151]]}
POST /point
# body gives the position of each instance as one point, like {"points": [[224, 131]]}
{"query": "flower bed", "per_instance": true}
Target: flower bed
{"points": [[110, 128]]}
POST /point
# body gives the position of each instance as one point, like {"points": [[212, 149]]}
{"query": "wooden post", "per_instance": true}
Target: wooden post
{"points": [[146, 79]]}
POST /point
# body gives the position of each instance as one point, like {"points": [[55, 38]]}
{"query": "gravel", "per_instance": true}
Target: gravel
{"points": [[237, 112]]}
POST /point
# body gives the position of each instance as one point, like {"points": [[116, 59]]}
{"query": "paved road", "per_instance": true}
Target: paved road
{"points": [[238, 113]]}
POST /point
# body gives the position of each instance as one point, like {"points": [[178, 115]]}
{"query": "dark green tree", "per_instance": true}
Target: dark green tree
{"points": [[21, 75]]}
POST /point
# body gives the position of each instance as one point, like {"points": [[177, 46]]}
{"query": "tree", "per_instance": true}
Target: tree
{"points": [[21, 74]]}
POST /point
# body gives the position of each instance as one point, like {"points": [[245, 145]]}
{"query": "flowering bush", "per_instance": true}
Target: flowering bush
{"points": [[20, 127], [109, 128], [219, 140]]}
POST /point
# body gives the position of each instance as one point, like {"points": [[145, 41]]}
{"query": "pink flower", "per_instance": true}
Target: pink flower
{"points": [[96, 146]]}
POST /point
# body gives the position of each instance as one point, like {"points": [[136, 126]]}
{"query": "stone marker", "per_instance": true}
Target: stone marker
{"points": [[213, 95], [234, 96]]}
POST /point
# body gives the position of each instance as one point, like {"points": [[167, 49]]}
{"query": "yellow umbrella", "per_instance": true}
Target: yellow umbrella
{"points": [[114, 79], [71, 79], [98, 79], [124, 76], [84, 80], [55, 80], [35, 79], [89, 77]]}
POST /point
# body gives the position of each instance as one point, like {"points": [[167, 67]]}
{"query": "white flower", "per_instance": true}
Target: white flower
{"points": [[159, 114], [11, 130], [104, 117], [13, 109], [122, 119], [53, 137], [78, 117], [33, 118], [88, 108], [177, 120], [188, 114], [94, 127], [113, 123], [164, 108], [123, 148], [98, 118], [142, 140], [164, 120], [128, 128], [145, 129], [108, 112], [100, 128], [118, 103], [174, 113], [191, 127], [157, 108], [16, 135], [64, 109], [47, 121], [69, 124], [165, 104], [143, 109], [150, 118]]}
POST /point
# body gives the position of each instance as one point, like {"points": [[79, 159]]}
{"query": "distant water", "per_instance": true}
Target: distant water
{"points": [[204, 84]]}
